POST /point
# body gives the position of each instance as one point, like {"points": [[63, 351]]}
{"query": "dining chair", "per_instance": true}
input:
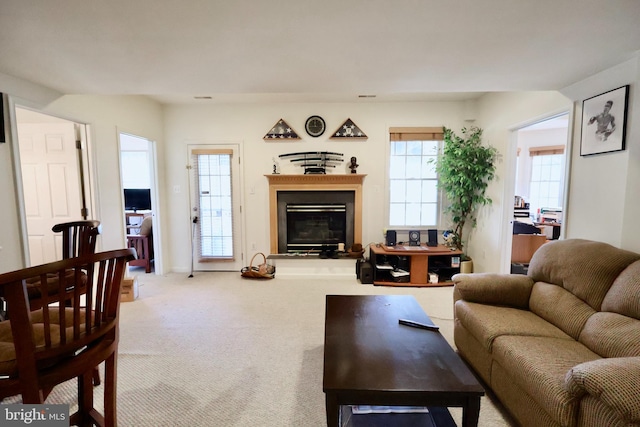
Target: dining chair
{"points": [[78, 237], [42, 348]]}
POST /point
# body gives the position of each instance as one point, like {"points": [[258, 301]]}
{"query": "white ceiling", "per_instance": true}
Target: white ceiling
{"points": [[320, 51]]}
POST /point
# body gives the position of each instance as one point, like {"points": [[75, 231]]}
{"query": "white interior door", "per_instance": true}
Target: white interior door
{"points": [[51, 184], [215, 201]]}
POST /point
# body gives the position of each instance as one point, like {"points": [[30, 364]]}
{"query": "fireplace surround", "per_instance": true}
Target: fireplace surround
{"points": [[331, 190]]}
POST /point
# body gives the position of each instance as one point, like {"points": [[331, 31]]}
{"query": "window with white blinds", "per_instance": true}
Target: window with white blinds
{"points": [[212, 169], [413, 182]]}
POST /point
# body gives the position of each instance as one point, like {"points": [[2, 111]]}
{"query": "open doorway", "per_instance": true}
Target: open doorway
{"points": [[540, 187], [139, 196], [54, 180]]}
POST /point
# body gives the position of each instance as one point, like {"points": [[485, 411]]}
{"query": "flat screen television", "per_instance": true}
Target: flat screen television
{"points": [[137, 199]]}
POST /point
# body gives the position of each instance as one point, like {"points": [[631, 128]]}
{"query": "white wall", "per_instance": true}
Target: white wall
{"points": [[246, 124], [499, 115], [107, 116], [603, 194], [11, 250], [603, 202]]}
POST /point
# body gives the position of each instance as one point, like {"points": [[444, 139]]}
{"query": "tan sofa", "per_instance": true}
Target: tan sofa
{"points": [[560, 346]]}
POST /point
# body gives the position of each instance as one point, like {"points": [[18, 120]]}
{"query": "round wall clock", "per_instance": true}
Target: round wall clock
{"points": [[315, 126]]}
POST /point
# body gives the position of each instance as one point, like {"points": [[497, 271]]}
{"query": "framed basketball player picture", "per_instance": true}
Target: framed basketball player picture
{"points": [[604, 122]]}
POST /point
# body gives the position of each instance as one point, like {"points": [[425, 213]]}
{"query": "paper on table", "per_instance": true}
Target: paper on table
{"points": [[367, 409]]}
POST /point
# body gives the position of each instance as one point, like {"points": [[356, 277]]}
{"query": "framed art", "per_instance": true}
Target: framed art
{"points": [[604, 120]]}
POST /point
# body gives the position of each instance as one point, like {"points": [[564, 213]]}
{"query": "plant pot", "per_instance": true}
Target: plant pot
{"points": [[466, 266]]}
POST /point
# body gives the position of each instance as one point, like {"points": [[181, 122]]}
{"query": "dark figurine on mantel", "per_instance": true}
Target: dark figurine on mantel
{"points": [[354, 165]]}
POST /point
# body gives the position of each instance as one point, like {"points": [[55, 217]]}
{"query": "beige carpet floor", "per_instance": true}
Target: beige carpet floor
{"points": [[220, 350]]}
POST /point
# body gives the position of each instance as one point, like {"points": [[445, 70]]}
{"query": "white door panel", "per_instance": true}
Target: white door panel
{"points": [[51, 184], [36, 250]]}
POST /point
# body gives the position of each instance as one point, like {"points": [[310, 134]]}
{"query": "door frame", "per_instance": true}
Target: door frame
{"points": [[238, 198], [510, 185], [158, 266], [87, 174]]}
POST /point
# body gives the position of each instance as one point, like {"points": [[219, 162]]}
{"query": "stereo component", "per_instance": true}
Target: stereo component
{"points": [[392, 238], [433, 238], [414, 238]]}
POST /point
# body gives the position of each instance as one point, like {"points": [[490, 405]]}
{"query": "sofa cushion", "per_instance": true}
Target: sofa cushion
{"points": [[623, 296], [585, 268], [595, 413], [612, 335], [612, 381], [487, 322], [539, 366], [560, 307], [496, 289]]}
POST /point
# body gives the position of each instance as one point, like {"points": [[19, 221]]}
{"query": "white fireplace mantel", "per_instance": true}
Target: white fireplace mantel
{"points": [[315, 182]]}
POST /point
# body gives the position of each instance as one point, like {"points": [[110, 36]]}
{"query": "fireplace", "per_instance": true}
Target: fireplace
{"points": [[313, 220], [309, 211]]}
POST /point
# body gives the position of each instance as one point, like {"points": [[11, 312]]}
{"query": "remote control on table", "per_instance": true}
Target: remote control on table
{"points": [[415, 324]]}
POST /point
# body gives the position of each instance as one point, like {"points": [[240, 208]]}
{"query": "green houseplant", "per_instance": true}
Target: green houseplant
{"points": [[465, 169]]}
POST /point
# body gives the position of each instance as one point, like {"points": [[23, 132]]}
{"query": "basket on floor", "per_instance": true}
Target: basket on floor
{"points": [[260, 271]]}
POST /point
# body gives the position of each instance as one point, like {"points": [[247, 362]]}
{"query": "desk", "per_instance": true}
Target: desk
{"points": [[418, 261], [525, 245], [370, 359]]}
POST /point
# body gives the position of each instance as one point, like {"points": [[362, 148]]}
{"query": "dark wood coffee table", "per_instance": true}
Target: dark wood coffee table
{"points": [[370, 359]]}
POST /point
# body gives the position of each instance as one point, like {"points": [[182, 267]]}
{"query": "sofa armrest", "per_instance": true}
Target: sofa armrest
{"points": [[612, 380], [491, 288]]}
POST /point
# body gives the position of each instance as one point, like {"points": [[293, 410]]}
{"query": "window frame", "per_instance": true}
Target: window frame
{"points": [[412, 134], [556, 150]]}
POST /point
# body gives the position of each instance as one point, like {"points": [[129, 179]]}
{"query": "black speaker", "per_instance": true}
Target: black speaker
{"points": [[392, 238], [433, 238], [366, 273], [414, 238], [359, 263]]}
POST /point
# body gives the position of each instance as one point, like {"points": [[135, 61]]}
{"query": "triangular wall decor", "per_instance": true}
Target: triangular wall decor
{"points": [[349, 130], [281, 130]]}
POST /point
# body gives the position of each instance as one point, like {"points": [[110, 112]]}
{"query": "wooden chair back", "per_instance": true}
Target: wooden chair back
{"points": [[78, 237], [69, 338]]}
